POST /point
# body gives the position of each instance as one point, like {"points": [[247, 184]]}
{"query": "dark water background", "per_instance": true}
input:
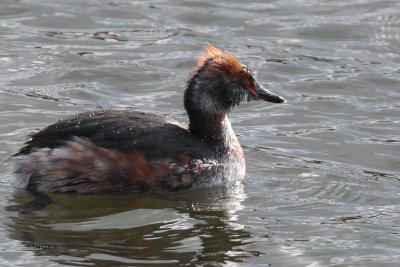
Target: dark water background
{"points": [[323, 182]]}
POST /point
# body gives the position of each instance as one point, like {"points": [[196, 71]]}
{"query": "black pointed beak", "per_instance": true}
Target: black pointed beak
{"points": [[263, 94]]}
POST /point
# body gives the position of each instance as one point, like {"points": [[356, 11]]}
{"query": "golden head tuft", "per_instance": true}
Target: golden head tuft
{"points": [[222, 61]]}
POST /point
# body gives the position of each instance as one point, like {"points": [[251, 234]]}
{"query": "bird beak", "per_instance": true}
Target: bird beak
{"points": [[263, 94]]}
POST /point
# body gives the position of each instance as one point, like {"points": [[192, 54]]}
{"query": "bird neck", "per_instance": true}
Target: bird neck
{"points": [[213, 128]]}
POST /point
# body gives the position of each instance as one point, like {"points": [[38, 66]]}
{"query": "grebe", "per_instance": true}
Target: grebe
{"points": [[130, 151]]}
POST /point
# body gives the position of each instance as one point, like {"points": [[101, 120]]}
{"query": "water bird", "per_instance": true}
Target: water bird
{"points": [[129, 151]]}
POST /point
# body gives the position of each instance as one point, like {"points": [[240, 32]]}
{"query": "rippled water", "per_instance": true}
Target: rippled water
{"points": [[323, 182]]}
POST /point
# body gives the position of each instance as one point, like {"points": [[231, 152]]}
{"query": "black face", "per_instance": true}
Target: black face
{"points": [[231, 93], [227, 94], [215, 92], [235, 94]]}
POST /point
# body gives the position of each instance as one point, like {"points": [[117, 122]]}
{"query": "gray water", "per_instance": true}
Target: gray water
{"points": [[323, 184]]}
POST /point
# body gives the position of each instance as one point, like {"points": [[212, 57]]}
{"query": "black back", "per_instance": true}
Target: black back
{"points": [[155, 135]]}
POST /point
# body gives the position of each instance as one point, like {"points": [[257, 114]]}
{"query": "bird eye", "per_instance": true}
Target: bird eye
{"points": [[248, 85], [249, 73], [245, 68]]}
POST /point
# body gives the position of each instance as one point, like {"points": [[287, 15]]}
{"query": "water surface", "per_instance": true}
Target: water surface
{"points": [[323, 172]]}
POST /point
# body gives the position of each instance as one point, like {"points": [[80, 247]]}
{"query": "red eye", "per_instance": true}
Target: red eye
{"points": [[249, 86], [251, 89]]}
